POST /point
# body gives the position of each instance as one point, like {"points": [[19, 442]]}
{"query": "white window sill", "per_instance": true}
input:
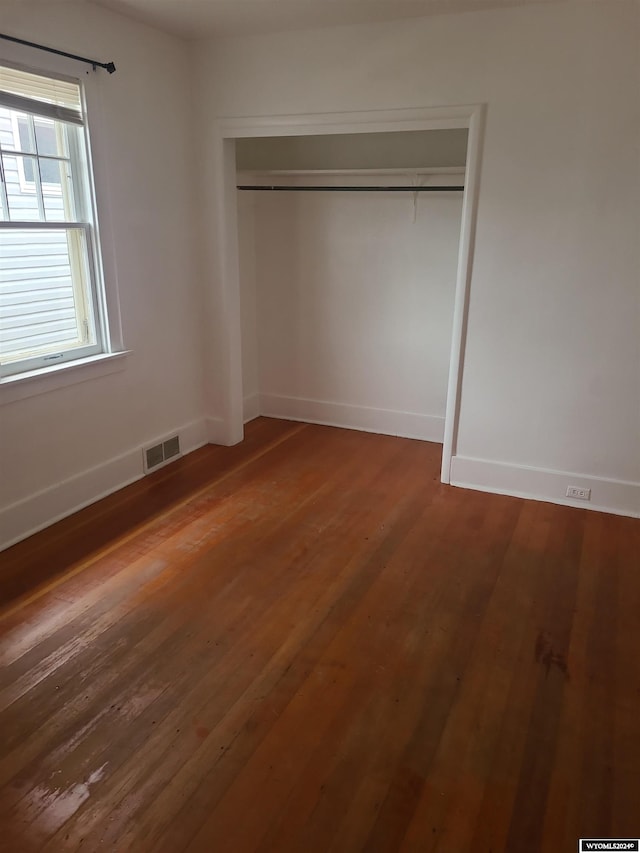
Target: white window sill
{"points": [[23, 385]]}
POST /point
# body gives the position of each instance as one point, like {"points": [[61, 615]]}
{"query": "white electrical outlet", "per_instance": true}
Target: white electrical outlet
{"points": [[578, 493]]}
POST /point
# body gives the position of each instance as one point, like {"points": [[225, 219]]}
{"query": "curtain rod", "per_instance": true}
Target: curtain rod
{"points": [[352, 189], [108, 66]]}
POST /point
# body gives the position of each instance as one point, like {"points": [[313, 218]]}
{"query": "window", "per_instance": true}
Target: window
{"points": [[23, 130], [51, 299]]}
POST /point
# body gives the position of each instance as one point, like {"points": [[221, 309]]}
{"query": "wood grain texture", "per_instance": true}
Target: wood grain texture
{"points": [[306, 643]]}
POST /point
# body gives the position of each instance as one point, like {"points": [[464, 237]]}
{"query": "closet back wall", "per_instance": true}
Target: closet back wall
{"points": [[347, 303]]}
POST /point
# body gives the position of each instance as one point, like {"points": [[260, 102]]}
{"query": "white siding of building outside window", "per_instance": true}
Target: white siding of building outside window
{"points": [[36, 291]]}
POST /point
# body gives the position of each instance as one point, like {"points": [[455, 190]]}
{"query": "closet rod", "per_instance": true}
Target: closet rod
{"points": [[298, 189]]}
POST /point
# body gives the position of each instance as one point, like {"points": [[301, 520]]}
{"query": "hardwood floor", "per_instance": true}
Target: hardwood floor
{"points": [[308, 643]]}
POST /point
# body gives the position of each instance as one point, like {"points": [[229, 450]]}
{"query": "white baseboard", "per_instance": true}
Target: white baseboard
{"points": [[34, 513], [387, 421], [251, 407], [216, 431], [615, 496]]}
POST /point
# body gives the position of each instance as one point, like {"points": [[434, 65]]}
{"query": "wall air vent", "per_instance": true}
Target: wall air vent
{"points": [[161, 454], [171, 447]]}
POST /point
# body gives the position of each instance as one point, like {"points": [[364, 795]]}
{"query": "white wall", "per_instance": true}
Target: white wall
{"points": [[396, 150], [551, 367], [348, 298], [551, 380], [100, 424]]}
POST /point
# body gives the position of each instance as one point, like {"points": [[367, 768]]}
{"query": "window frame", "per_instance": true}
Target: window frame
{"points": [[42, 378], [84, 262], [55, 355]]}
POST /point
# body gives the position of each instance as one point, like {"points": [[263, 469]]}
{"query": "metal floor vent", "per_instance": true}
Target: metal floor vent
{"points": [[161, 453]]}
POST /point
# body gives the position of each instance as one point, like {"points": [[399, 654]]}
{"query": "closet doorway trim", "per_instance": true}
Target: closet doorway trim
{"points": [[226, 298]]}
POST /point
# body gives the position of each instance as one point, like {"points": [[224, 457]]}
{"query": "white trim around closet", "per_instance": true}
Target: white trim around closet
{"points": [[225, 296]]}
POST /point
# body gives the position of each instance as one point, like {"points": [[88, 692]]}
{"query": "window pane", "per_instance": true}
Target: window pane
{"points": [[25, 140], [19, 174], [57, 191], [14, 131], [50, 172], [50, 137], [44, 298], [7, 135]]}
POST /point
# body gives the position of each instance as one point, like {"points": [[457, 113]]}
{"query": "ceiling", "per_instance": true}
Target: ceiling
{"points": [[199, 18]]}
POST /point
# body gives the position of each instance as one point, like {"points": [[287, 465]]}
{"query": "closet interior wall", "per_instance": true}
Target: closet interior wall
{"points": [[347, 297]]}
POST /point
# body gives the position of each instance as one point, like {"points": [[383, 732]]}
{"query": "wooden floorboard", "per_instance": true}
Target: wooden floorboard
{"points": [[306, 643]]}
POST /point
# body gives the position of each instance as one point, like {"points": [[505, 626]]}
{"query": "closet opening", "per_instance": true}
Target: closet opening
{"points": [[346, 263]]}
